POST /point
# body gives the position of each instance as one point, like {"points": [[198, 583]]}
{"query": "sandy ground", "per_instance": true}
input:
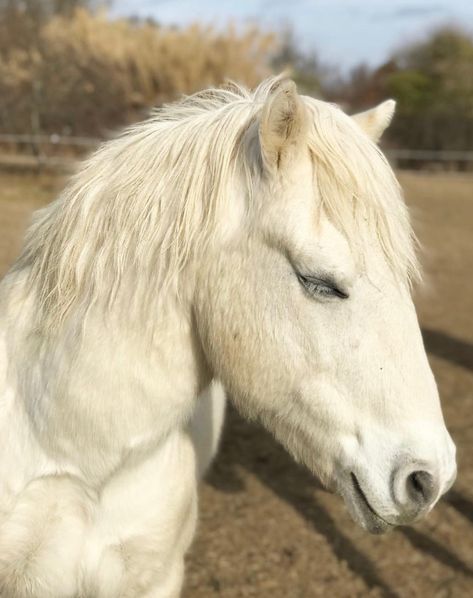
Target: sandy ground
{"points": [[267, 529]]}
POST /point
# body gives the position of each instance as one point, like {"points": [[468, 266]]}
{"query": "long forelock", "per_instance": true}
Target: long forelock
{"points": [[149, 199], [358, 189]]}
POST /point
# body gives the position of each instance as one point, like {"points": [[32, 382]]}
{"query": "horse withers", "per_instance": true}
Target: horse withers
{"points": [[259, 239]]}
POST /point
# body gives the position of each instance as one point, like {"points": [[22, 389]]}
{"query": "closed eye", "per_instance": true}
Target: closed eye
{"points": [[319, 287]]}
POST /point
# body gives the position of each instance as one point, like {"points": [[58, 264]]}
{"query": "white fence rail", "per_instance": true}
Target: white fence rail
{"points": [[41, 151]]}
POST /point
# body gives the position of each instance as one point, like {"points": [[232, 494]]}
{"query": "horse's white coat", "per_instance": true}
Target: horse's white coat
{"points": [[171, 259]]}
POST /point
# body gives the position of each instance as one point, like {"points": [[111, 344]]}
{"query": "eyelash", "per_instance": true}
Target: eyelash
{"points": [[317, 287]]}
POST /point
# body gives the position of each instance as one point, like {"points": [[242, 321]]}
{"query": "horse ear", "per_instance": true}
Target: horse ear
{"points": [[375, 121], [283, 125]]}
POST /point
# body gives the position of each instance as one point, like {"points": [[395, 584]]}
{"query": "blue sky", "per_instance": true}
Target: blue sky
{"points": [[344, 32]]}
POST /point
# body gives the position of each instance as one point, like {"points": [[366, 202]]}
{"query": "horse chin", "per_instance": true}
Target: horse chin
{"points": [[360, 509]]}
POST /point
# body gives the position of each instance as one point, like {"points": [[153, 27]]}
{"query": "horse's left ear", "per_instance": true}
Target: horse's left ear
{"points": [[283, 125], [375, 121]]}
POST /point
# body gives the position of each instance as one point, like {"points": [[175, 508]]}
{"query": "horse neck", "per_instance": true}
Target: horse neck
{"points": [[163, 349], [154, 369]]}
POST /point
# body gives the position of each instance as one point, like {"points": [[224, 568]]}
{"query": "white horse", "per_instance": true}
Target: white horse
{"points": [[256, 238]]}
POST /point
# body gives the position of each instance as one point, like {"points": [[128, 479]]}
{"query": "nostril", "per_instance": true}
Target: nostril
{"points": [[414, 489], [421, 487]]}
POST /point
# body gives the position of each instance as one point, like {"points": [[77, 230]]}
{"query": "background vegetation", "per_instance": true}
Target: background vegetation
{"points": [[67, 68], [432, 81]]}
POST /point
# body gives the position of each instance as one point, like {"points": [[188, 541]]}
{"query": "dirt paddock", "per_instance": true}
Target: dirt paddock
{"points": [[267, 529]]}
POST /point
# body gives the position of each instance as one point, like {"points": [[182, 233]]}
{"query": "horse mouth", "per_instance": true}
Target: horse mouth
{"points": [[362, 511]]}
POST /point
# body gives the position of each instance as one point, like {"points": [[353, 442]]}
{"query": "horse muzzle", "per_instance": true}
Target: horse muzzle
{"points": [[414, 488]]}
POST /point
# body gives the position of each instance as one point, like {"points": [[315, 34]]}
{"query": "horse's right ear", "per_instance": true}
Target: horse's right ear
{"points": [[283, 125]]}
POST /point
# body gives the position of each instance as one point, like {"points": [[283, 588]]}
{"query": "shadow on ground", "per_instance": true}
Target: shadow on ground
{"points": [[440, 344]]}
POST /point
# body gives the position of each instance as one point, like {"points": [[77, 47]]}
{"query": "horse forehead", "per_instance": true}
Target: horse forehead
{"points": [[331, 245], [314, 242]]}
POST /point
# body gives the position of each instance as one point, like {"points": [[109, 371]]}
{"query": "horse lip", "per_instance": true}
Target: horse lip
{"points": [[364, 512]]}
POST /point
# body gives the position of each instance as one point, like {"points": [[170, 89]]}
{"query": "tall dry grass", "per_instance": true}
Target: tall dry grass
{"points": [[86, 74]]}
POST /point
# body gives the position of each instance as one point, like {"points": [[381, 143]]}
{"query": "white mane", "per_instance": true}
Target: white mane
{"points": [[147, 200]]}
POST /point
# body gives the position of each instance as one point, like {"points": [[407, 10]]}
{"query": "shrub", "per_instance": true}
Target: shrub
{"points": [[84, 73]]}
